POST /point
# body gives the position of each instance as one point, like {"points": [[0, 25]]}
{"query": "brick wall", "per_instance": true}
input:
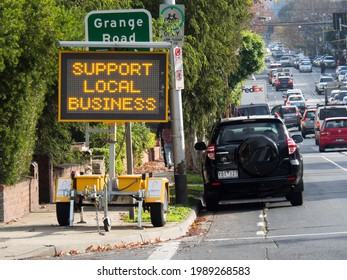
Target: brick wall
{"points": [[21, 198], [24, 197]]}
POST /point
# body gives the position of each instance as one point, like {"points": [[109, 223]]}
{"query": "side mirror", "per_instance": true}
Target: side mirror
{"points": [[297, 138], [200, 146]]}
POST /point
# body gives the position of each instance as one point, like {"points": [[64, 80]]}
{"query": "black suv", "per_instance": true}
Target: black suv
{"points": [[251, 157]]}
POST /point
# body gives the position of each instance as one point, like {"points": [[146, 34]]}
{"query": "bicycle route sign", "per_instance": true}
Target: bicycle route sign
{"points": [[172, 13]]}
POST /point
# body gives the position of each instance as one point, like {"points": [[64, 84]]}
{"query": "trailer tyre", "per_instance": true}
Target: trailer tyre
{"points": [[158, 212], [63, 213]]}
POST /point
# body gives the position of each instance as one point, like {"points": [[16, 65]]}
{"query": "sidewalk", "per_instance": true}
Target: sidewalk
{"points": [[38, 234]]}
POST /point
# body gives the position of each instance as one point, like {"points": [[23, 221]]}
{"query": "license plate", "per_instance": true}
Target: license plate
{"points": [[340, 140], [228, 174]]}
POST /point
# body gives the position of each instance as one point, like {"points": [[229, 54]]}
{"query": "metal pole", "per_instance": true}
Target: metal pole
{"points": [[176, 115], [130, 163]]}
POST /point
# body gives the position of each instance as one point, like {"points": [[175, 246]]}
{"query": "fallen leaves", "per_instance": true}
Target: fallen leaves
{"points": [[108, 247]]}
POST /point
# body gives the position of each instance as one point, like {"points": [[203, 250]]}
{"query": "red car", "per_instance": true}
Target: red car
{"points": [[333, 133]]}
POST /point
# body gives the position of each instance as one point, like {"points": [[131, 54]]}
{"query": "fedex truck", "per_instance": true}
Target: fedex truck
{"points": [[254, 92]]}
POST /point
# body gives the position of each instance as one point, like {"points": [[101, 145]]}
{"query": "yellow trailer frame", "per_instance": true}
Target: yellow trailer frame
{"points": [[150, 193]]}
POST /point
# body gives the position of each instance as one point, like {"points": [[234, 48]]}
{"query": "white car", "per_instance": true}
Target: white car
{"points": [[332, 96], [340, 68], [329, 61], [321, 84], [342, 75], [305, 66], [294, 99]]}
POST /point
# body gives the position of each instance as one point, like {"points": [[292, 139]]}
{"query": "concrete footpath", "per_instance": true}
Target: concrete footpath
{"points": [[38, 234]]}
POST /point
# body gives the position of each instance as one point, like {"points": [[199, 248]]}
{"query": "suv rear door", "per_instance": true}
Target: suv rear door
{"points": [[231, 159]]}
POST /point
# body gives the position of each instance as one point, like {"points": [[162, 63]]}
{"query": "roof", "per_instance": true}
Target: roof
{"points": [[253, 117]]}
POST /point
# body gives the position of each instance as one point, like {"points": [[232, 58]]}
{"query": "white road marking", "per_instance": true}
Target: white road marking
{"points": [[165, 251], [334, 163], [279, 236]]}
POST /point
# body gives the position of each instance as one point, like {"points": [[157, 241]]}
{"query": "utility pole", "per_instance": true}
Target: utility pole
{"points": [[176, 115]]}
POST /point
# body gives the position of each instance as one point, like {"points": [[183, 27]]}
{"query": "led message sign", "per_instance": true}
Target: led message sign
{"points": [[113, 86]]}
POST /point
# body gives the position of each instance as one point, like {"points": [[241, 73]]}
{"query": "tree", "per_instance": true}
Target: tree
{"points": [[211, 56]]}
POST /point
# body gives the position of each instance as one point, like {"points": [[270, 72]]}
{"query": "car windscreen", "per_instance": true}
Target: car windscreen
{"points": [[332, 112], [238, 132]]}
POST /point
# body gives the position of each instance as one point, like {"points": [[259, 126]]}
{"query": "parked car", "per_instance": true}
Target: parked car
{"points": [[333, 133], [329, 61], [316, 61], [305, 66], [321, 84], [327, 111], [252, 109], [251, 158], [307, 122], [331, 98], [283, 83], [341, 75], [340, 68], [338, 98]]}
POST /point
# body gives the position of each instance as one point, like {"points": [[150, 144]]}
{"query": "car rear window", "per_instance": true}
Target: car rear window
{"points": [[295, 98], [238, 132], [310, 114], [287, 110], [336, 124], [332, 112], [325, 80]]}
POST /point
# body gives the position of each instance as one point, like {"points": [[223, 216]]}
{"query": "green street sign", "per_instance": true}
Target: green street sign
{"points": [[119, 26]]}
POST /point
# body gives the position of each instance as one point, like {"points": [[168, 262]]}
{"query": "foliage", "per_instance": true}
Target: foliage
{"points": [[29, 73], [211, 58], [27, 70]]}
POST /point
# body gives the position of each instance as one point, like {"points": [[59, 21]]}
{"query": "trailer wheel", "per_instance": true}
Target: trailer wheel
{"points": [[63, 213], [107, 224], [158, 212]]}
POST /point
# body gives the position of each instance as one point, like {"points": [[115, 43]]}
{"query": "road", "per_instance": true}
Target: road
{"points": [[268, 231]]}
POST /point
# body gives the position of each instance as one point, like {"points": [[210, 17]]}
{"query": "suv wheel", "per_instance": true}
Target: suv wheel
{"points": [[211, 203], [258, 155], [297, 198]]}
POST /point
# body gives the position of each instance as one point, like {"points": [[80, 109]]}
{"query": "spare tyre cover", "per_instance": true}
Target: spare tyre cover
{"points": [[258, 155]]}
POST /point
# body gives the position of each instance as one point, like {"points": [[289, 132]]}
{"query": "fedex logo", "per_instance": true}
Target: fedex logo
{"points": [[254, 88]]}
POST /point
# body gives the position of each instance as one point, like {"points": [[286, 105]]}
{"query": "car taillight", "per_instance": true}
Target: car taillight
{"points": [[211, 152], [291, 146], [297, 113], [278, 82], [325, 133], [290, 82], [317, 124]]}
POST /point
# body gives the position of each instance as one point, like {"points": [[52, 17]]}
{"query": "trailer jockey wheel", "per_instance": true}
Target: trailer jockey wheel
{"points": [[107, 224], [158, 211], [63, 213]]}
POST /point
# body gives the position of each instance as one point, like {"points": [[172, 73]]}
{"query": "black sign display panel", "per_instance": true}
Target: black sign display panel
{"points": [[113, 86]]}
